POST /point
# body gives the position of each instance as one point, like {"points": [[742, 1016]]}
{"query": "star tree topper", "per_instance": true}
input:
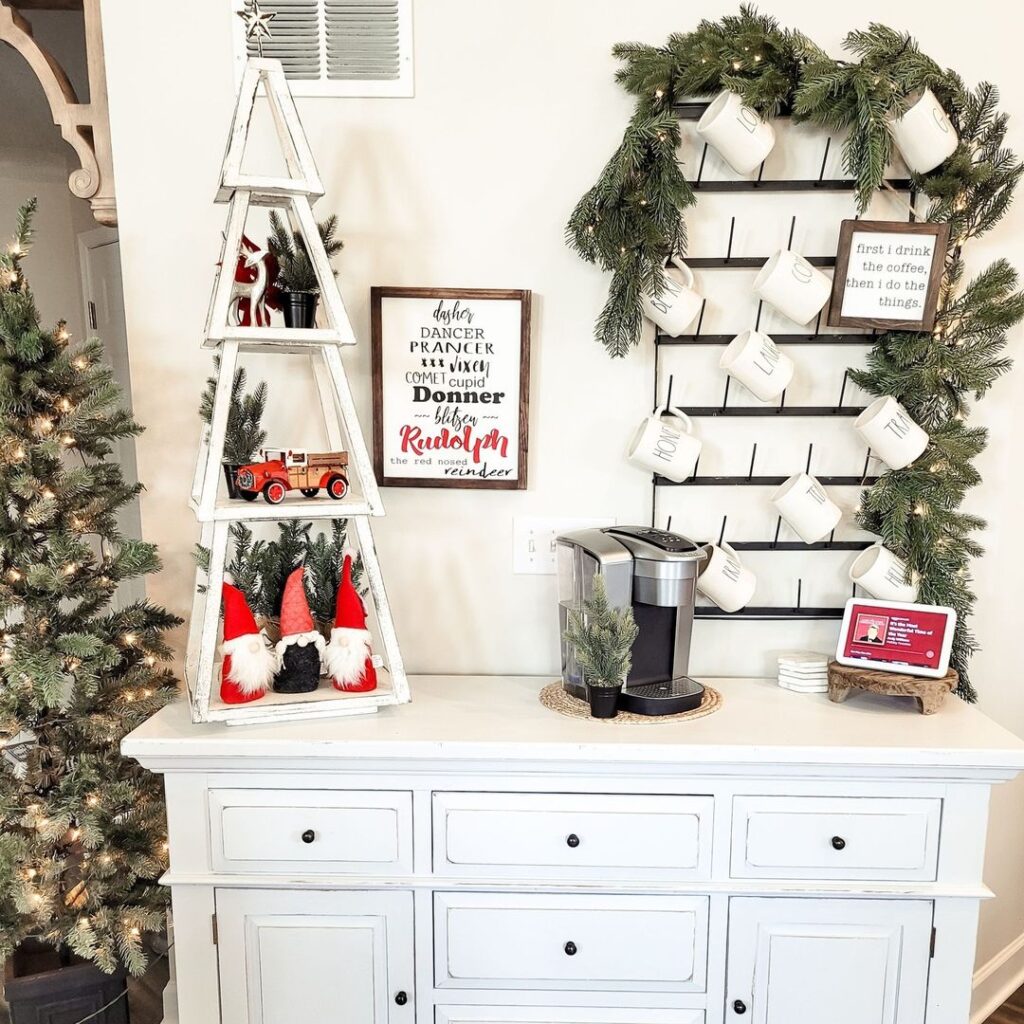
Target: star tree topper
{"points": [[257, 23]]}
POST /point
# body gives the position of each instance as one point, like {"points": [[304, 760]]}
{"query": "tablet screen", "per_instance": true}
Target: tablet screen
{"points": [[899, 636]]}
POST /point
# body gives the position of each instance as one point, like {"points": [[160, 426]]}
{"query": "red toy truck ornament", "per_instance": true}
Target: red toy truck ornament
{"points": [[288, 469]]}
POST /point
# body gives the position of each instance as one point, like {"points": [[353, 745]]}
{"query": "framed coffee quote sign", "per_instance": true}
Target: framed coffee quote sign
{"points": [[888, 274], [451, 378]]}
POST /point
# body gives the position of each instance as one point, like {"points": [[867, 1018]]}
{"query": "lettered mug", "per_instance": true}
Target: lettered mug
{"points": [[890, 432], [923, 134], [675, 308], [790, 284], [756, 362], [803, 503], [726, 580], [739, 134], [665, 444], [883, 575]]}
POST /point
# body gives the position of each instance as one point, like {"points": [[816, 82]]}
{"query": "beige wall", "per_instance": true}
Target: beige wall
{"points": [[469, 184]]}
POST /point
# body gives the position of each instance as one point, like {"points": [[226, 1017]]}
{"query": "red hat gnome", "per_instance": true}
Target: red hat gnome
{"points": [[348, 658], [301, 643], [249, 664]]}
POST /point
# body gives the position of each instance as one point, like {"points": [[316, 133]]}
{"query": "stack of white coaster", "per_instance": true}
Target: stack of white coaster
{"points": [[803, 671]]}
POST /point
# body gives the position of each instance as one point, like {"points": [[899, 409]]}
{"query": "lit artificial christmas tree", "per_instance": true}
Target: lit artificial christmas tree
{"points": [[82, 830]]}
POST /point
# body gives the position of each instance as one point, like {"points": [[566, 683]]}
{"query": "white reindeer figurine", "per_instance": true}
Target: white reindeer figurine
{"points": [[254, 291]]}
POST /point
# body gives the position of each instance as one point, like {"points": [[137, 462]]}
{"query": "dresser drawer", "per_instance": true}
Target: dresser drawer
{"points": [[592, 943], [835, 837], [321, 831], [564, 1015], [572, 835]]}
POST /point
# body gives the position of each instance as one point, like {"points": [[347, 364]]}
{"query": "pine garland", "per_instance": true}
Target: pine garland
{"points": [[82, 829], [631, 222]]}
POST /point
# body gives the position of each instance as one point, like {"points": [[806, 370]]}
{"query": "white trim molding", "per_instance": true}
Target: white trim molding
{"points": [[997, 979]]}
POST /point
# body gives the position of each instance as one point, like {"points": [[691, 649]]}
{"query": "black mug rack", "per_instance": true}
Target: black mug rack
{"points": [[692, 112]]}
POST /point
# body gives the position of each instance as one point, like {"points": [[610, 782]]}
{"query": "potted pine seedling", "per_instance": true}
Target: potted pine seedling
{"points": [[601, 638], [244, 435], [296, 278]]}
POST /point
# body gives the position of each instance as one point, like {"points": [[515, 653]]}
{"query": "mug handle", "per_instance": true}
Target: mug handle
{"points": [[687, 273], [664, 410]]}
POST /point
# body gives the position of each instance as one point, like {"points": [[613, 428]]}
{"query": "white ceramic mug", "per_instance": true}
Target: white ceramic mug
{"points": [[790, 284], [890, 432], [803, 503], [883, 575], [726, 580], [756, 362], [665, 444], [739, 134], [675, 308], [923, 134]]}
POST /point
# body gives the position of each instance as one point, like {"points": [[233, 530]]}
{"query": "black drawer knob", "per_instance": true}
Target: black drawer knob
{"points": [[739, 1006], [308, 836], [401, 998], [570, 949], [572, 840], [838, 843]]}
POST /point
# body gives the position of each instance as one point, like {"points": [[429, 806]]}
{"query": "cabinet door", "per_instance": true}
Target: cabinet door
{"points": [[845, 961], [287, 956]]}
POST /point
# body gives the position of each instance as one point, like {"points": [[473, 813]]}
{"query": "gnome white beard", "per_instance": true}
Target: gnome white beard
{"points": [[346, 654], [253, 663], [302, 639]]}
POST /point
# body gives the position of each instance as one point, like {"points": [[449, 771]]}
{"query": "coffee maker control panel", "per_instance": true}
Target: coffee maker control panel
{"points": [[672, 542]]}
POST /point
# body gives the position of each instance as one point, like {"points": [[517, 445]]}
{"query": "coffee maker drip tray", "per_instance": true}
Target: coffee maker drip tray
{"points": [[671, 697]]}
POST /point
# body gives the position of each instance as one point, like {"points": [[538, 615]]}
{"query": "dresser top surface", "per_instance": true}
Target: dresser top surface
{"points": [[492, 718]]}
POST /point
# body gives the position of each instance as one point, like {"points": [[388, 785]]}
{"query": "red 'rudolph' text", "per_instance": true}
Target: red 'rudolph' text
{"points": [[413, 440]]}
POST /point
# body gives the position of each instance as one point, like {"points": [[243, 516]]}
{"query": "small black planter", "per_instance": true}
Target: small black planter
{"points": [[604, 700], [299, 308], [230, 469], [41, 985]]}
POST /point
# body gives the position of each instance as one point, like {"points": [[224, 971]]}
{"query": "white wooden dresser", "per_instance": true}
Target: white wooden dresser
{"points": [[473, 858]]}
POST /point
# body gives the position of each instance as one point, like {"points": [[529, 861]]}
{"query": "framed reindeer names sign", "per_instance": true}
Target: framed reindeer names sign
{"points": [[888, 274], [451, 379]]}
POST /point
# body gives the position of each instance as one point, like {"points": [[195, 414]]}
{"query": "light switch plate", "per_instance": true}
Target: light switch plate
{"points": [[533, 541]]}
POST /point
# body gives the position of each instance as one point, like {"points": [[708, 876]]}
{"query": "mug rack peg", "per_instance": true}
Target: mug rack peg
{"points": [[782, 400], [725, 395], [792, 230], [760, 308], [824, 159], [799, 593], [817, 324], [760, 173], [668, 395], [778, 527], [810, 452], [668, 525], [831, 538], [732, 232], [753, 455], [867, 463], [721, 532], [700, 317], [842, 390], [703, 157]]}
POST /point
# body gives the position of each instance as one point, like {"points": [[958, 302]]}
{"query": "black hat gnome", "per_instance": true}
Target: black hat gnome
{"points": [[301, 644]]}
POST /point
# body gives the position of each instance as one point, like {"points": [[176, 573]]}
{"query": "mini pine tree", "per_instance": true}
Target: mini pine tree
{"points": [[82, 829], [244, 435], [602, 638]]}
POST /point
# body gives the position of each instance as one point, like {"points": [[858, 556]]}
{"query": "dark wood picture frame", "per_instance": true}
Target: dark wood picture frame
{"points": [[940, 231], [524, 297]]}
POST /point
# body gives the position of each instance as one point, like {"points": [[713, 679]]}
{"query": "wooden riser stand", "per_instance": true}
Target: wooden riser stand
{"points": [[242, 191]]}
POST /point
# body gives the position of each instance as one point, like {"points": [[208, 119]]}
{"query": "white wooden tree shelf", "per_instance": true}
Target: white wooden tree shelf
{"points": [[214, 510]]}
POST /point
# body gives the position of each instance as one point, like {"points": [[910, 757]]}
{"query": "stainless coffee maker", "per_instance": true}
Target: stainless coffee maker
{"points": [[655, 573]]}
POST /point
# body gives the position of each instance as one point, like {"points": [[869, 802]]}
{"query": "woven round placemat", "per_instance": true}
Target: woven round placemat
{"points": [[554, 698]]}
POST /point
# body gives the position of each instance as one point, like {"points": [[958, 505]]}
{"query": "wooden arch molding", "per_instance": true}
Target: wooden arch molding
{"points": [[84, 126]]}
